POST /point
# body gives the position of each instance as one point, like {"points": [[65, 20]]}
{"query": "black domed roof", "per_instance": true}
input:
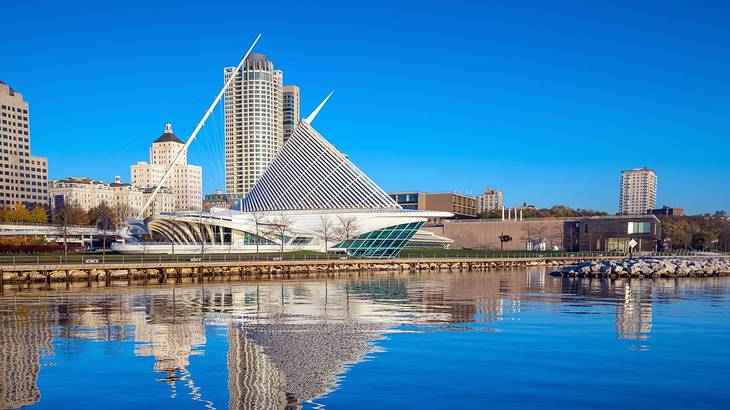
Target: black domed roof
{"points": [[168, 135]]}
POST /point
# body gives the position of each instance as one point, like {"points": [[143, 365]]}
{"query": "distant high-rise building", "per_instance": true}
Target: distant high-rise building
{"points": [[24, 178], [185, 181], [490, 200], [638, 191], [292, 115], [254, 127]]}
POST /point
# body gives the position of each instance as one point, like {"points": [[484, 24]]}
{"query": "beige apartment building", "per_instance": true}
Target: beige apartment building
{"points": [[124, 198], [185, 181], [490, 200], [638, 191], [23, 178]]}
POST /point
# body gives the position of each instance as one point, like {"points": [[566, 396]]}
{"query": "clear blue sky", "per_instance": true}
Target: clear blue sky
{"points": [[548, 101]]}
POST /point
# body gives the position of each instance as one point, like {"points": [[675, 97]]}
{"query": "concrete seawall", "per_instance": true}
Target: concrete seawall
{"points": [[161, 272]]}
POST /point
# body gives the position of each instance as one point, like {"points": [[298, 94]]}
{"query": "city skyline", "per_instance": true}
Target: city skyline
{"points": [[528, 137]]}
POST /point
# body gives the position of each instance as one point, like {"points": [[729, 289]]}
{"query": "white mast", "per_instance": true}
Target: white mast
{"points": [[197, 128]]}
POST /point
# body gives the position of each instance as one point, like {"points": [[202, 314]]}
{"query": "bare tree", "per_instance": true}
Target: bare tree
{"points": [[558, 235], [279, 226], [104, 223], [529, 233], [258, 221], [347, 228], [68, 215], [326, 229], [124, 212]]}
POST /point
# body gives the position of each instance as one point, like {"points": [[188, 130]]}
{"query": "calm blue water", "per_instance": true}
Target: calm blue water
{"points": [[510, 339]]}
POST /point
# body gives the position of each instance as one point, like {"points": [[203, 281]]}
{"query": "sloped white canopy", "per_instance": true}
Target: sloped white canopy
{"points": [[310, 173]]}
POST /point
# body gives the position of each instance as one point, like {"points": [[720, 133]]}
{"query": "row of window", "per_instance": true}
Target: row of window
{"points": [[14, 109], [14, 131]]}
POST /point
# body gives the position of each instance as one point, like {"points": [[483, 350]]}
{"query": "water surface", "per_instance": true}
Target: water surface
{"points": [[499, 339]]}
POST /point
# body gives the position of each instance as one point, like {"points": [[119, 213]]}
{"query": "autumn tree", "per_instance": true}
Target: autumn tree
{"points": [[38, 215], [18, 213]]}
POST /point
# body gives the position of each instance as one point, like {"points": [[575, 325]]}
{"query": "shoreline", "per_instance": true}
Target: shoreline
{"points": [[255, 270], [201, 272], [649, 268]]}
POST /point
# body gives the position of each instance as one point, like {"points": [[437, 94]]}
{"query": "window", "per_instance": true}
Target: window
{"points": [[639, 227]]}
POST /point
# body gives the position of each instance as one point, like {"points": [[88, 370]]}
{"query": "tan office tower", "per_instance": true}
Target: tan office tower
{"points": [[638, 191], [185, 181], [23, 178], [292, 115], [254, 122]]}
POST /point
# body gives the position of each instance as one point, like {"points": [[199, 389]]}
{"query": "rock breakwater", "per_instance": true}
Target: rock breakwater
{"points": [[648, 268]]}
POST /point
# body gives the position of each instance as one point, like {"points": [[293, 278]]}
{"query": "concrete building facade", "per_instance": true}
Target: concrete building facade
{"points": [[23, 178], [604, 233], [667, 211], [185, 181], [292, 114], [254, 122], [124, 198], [462, 206], [638, 191], [489, 200]]}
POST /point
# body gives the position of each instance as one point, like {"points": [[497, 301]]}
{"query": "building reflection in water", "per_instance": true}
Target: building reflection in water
{"points": [[25, 337], [291, 342], [633, 316]]}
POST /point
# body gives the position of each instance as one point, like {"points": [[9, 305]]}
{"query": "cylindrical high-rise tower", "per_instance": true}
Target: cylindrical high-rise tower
{"points": [[254, 123]]}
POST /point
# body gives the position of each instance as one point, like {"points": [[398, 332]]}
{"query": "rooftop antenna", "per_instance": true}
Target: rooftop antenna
{"points": [[197, 128]]}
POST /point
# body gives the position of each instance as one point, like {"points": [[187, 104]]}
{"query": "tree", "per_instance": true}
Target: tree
{"points": [[556, 211], [326, 229], [529, 233], [65, 216], [124, 212], [38, 215], [703, 240], [102, 210], [258, 221], [280, 226], [18, 213], [347, 229]]}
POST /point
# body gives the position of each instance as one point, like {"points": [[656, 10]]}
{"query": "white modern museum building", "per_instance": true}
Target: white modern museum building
{"points": [[311, 197]]}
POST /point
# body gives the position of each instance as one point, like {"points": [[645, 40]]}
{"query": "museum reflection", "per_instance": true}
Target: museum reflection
{"points": [[292, 342]]}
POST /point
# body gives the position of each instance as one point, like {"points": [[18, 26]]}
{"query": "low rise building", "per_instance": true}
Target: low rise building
{"points": [[462, 206], [601, 233], [218, 199], [124, 198], [667, 211]]}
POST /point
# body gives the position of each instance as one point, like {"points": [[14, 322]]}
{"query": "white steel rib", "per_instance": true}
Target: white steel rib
{"points": [[197, 129]]}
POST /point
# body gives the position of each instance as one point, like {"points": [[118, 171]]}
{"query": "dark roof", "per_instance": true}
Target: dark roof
{"points": [[168, 136]]}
